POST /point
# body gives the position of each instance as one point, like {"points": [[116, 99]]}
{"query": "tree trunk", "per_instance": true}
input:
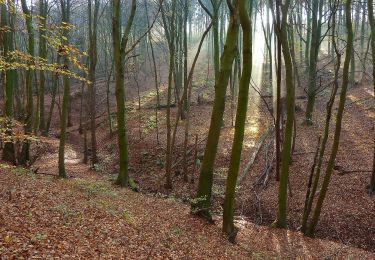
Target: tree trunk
{"points": [[243, 97], [314, 51], [25, 154], [93, 56], [119, 48], [370, 7], [43, 8], [340, 112], [10, 76], [290, 98], [201, 206], [65, 14]]}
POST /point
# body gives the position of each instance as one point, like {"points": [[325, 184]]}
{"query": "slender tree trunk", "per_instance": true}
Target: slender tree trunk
{"points": [[243, 96], [290, 96], [93, 55], [187, 96], [43, 8], [278, 94], [25, 155], [65, 14], [55, 87], [169, 28], [10, 76], [119, 49], [340, 112], [314, 51], [155, 75], [370, 7], [201, 206], [330, 103]]}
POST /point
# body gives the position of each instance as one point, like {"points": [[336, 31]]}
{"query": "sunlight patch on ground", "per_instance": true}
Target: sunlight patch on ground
{"points": [[352, 97], [370, 92], [71, 157]]}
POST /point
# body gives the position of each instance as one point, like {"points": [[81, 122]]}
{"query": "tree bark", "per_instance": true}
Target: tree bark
{"points": [[202, 204], [243, 97]]}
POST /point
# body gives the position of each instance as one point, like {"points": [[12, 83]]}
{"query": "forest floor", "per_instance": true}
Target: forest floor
{"points": [[85, 216], [348, 212]]}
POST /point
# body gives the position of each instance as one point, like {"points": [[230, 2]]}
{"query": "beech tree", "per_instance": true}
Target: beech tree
{"points": [[25, 157], [202, 203], [340, 112], [65, 6], [314, 47], [43, 9], [9, 82], [120, 42], [93, 56], [282, 34], [370, 7], [243, 96], [169, 28]]}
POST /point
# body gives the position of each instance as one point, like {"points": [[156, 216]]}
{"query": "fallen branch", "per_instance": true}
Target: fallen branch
{"points": [[257, 147], [188, 152], [353, 171]]}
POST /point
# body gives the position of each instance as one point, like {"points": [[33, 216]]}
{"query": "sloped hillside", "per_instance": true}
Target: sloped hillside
{"points": [[86, 216]]}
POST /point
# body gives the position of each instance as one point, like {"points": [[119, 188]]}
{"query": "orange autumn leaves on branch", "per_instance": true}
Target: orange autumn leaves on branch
{"points": [[19, 59]]}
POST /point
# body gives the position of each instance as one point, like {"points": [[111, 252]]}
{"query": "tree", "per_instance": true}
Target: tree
{"points": [[243, 96], [282, 34], [65, 20], [340, 112], [120, 42], [93, 56], [202, 204], [317, 7], [25, 156], [370, 7], [316, 171], [43, 8], [169, 28], [214, 15], [10, 75]]}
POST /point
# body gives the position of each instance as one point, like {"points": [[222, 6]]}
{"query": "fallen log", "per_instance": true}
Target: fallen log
{"points": [[257, 147], [161, 106]]}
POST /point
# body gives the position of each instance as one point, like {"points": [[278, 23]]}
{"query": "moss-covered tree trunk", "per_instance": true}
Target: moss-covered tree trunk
{"points": [[282, 34], [25, 154], [308, 33], [311, 194], [202, 204], [340, 112], [65, 19], [43, 8], [10, 76], [119, 48], [370, 7], [243, 97], [93, 56], [169, 28], [313, 57]]}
